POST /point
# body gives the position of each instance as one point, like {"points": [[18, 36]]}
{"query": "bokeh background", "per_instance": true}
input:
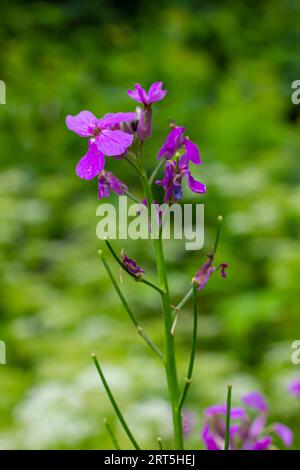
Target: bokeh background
{"points": [[228, 66]]}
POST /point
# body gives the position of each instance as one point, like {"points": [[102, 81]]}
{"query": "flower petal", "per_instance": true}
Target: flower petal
{"points": [[194, 185], [192, 152], [209, 439], [294, 387], [256, 400], [113, 142], [263, 443], [91, 164], [257, 426], [156, 93], [111, 119], [284, 433], [173, 142], [82, 124]]}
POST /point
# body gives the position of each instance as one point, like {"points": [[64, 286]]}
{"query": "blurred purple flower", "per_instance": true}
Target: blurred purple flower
{"points": [[206, 270], [172, 181], [131, 266], [188, 422], [294, 387], [107, 182], [255, 400], [245, 433], [176, 141]]}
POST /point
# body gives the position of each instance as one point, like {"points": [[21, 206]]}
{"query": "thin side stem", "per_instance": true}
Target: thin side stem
{"points": [[114, 404], [178, 308], [227, 432], [111, 434], [220, 220], [156, 170], [136, 278], [132, 197], [188, 379], [170, 362], [128, 309]]}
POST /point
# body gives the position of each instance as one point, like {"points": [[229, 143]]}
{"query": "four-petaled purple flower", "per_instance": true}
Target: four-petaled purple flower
{"points": [[206, 270], [155, 93], [131, 266], [245, 433], [175, 171], [294, 387], [104, 139], [176, 141], [107, 182]]}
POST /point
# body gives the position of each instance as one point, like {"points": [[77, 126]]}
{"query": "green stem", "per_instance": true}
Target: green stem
{"points": [[136, 278], [132, 197], [111, 434], [156, 170], [227, 431], [178, 308], [114, 404], [128, 309], [188, 379], [170, 362], [220, 220], [160, 444]]}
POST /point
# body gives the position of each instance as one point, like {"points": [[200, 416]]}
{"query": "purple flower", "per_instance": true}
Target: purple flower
{"points": [[107, 182], [105, 138], [245, 433], [154, 94], [176, 141], [206, 270], [172, 181], [131, 266], [294, 387]]}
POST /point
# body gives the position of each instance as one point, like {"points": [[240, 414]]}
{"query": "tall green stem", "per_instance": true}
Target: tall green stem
{"points": [[170, 362]]}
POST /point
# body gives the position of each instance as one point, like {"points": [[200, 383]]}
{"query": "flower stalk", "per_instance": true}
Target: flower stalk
{"points": [[114, 404]]}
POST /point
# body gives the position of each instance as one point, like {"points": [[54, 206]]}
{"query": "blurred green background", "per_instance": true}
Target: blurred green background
{"points": [[228, 66]]}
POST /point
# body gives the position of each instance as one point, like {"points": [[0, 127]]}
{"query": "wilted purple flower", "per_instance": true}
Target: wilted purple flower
{"points": [[131, 266], [176, 141], [107, 182], [245, 433], [206, 270], [294, 387], [104, 139], [174, 173], [155, 93]]}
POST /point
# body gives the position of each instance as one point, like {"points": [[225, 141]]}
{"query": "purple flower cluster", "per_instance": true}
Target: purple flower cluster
{"points": [[247, 432], [113, 135], [178, 169]]}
